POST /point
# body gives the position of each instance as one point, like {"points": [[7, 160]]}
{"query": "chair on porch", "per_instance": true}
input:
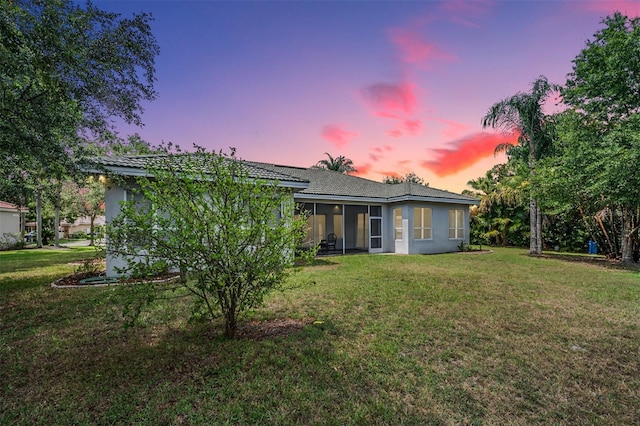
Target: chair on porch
{"points": [[329, 243]]}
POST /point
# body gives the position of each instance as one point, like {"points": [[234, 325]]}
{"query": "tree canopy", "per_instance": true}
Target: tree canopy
{"points": [[409, 177], [339, 164], [204, 215], [67, 71], [523, 114]]}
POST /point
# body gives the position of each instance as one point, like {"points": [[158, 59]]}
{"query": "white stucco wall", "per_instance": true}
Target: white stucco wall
{"points": [[9, 222]]}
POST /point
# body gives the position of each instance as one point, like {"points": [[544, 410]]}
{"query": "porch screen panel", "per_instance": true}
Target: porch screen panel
{"points": [[337, 225]]}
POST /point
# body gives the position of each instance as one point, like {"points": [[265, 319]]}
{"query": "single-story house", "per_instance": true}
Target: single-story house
{"points": [[12, 223], [363, 214], [81, 224]]}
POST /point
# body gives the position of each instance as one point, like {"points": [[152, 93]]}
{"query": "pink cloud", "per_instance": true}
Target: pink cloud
{"points": [[630, 8], [381, 149], [414, 50], [395, 133], [374, 157], [391, 100], [413, 126], [337, 135], [466, 152], [362, 169], [452, 129]]}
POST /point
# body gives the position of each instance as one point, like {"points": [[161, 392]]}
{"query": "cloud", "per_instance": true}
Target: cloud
{"points": [[466, 152], [337, 135], [631, 8], [362, 169], [452, 129], [415, 50], [391, 100], [413, 126], [381, 149], [466, 12]]}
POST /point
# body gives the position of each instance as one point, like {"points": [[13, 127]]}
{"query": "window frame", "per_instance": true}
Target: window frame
{"points": [[422, 228], [458, 219], [397, 226]]}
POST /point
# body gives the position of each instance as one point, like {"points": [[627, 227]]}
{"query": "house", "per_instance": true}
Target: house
{"points": [[12, 221], [363, 214], [81, 224]]}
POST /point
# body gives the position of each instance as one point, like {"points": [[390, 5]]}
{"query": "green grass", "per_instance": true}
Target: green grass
{"points": [[499, 338]]}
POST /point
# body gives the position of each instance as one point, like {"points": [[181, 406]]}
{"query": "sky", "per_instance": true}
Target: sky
{"points": [[396, 87]]}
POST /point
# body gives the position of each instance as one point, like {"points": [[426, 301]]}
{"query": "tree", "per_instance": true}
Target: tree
{"points": [[339, 164], [65, 71], [603, 92], [230, 235], [409, 177], [501, 216], [522, 114]]}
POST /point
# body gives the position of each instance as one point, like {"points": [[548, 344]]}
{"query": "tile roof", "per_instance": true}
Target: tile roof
{"points": [[5, 206], [122, 164], [316, 183], [331, 183]]}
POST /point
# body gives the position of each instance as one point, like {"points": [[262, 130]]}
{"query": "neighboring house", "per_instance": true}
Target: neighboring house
{"points": [[12, 219], [364, 215], [81, 224]]}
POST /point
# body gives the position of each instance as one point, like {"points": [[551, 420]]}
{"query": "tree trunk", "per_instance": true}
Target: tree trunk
{"points": [[56, 226], [38, 216], [91, 231], [628, 232], [535, 235]]}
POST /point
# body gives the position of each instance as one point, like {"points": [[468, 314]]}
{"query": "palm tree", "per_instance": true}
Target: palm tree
{"points": [[339, 164], [522, 113]]}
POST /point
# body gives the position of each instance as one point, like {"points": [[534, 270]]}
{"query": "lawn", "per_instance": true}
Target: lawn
{"points": [[499, 338]]}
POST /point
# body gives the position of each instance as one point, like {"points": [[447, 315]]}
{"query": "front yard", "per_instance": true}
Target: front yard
{"points": [[497, 338]]}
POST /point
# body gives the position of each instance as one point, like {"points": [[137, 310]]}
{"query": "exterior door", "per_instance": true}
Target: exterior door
{"points": [[375, 229]]}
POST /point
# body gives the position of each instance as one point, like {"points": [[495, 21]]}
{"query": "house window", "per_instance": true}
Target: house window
{"points": [[421, 223], [337, 225], [456, 224], [397, 223]]}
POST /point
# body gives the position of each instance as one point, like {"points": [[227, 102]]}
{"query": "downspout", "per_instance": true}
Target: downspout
{"points": [[344, 231]]}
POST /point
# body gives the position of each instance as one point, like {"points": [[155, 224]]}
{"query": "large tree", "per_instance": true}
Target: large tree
{"points": [[599, 134], [523, 114], [231, 235], [65, 72], [340, 164]]}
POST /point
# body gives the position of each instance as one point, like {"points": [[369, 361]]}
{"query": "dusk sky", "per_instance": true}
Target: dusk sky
{"points": [[397, 87]]}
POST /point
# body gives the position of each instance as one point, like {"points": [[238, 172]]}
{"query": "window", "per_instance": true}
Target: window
{"points": [[421, 223], [456, 224], [397, 223]]}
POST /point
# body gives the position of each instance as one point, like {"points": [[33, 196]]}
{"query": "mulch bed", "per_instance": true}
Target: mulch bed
{"points": [[75, 280]]}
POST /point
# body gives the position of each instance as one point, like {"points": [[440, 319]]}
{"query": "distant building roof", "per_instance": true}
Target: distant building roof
{"points": [[12, 207]]}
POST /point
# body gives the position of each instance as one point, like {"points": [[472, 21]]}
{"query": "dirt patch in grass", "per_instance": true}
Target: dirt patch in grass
{"points": [[280, 327], [593, 260]]}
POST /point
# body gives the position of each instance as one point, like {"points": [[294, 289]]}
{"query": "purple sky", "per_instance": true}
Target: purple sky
{"points": [[396, 86]]}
